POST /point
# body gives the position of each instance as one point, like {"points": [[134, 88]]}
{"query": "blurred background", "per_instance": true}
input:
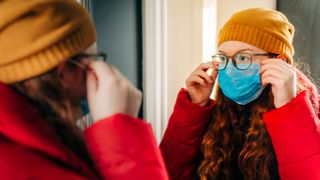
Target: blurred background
{"points": [[156, 44]]}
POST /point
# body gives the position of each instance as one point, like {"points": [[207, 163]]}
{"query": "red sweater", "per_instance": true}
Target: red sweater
{"points": [[293, 128], [122, 147]]}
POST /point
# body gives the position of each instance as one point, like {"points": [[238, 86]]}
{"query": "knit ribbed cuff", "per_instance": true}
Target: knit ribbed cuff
{"points": [[49, 57]]}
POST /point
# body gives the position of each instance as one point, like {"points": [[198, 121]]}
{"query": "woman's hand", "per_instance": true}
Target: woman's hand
{"points": [[282, 78], [109, 92], [200, 84]]}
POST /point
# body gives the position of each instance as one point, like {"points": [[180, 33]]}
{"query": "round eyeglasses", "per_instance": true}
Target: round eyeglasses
{"points": [[100, 56], [241, 61]]}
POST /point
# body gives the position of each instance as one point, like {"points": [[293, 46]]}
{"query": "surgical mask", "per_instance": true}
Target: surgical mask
{"points": [[84, 107], [86, 119], [241, 86]]}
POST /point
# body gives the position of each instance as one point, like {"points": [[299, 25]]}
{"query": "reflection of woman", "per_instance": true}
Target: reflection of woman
{"points": [[264, 121], [47, 49]]}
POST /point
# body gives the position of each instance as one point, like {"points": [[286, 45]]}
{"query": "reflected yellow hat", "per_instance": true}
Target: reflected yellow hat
{"points": [[37, 35], [264, 28]]}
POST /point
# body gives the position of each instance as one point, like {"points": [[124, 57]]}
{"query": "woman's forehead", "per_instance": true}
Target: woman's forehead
{"points": [[231, 47]]}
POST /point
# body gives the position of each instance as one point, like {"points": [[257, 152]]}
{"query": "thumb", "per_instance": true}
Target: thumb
{"points": [[214, 74], [215, 71], [101, 70]]}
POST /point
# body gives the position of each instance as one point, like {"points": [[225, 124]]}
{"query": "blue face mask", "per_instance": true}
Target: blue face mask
{"points": [[241, 86], [84, 107]]}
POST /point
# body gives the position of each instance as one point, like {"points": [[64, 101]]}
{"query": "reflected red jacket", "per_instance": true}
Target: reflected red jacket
{"points": [[293, 128], [122, 147]]}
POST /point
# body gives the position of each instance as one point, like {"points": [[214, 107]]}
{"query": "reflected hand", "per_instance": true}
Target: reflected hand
{"points": [[109, 92], [200, 84]]}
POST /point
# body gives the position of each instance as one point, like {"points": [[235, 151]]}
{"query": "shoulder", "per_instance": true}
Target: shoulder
{"points": [[18, 161], [16, 156], [12, 159]]}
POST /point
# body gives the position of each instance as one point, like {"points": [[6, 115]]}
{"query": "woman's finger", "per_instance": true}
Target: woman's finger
{"points": [[276, 61], [215, 65], [214, 74], [101, 70], [205, 66], [271, 60], [270, 80], [196, 80], [203, 75], [273, 72], [275, 65]]}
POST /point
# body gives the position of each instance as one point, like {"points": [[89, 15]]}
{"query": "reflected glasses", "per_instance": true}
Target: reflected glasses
{"points": [[241, 61], [75, 60]]}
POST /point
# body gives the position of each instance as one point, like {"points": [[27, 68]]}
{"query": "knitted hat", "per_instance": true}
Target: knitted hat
{"points": [[37, 35], [264, 28]]}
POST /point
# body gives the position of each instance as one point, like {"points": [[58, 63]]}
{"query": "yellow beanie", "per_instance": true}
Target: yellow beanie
{"points": [[37, 35], [264, 28]]}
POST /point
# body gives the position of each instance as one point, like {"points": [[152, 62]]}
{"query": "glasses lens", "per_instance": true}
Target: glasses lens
{"points": [[221, 60], [243, 61], [101, 57]]}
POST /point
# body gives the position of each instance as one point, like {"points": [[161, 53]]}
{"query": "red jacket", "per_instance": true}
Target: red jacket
{"points": [[122, 147], [293, 128]]}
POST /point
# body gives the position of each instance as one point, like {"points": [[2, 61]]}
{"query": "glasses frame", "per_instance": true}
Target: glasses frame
{"points": [[75, 59], [234, 61]]}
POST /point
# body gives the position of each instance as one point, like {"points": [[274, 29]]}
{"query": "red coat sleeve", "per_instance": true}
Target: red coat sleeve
{"points": [[181, 143], [124, 148], [295, 135]]}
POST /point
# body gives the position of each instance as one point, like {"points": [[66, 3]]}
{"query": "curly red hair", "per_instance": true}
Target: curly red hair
{"points": [[237, 144]]}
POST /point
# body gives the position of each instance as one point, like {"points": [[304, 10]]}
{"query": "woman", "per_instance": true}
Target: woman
{"points": [[47, 57], [263, 123]]}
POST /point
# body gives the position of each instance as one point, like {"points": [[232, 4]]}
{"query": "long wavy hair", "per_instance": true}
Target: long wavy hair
{"points": [[236, 144], [59, 108]]}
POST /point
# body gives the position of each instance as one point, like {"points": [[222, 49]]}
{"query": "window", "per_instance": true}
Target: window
{"points": [[304, 16]]}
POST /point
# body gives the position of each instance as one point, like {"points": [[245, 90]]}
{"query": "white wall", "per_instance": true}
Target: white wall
{"points": [[184, 43], [172, 47], [209, 29], [227, 7]]}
